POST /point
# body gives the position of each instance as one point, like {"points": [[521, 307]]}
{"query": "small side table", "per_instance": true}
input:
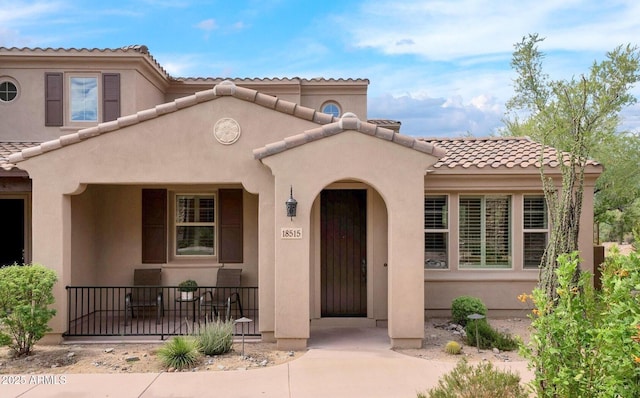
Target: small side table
{"points": [[193, 302]]}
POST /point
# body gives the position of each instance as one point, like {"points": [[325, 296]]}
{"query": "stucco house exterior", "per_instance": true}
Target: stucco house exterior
{"points": [[109, 164]]}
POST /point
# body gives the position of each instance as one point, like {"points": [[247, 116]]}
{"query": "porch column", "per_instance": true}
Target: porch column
{"points": [[292, 270], [51, 219], [406, 265], [266, 266]]}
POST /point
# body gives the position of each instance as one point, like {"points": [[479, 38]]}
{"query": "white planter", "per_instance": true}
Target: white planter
{"points": [[186, 295]]}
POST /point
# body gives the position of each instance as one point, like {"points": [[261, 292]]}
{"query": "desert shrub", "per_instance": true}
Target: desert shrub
{"points": [[216, 338], [488, 337], [180, 352], [463, 306], [480, 381], [26, 291], [453, 348], [587, 343]]}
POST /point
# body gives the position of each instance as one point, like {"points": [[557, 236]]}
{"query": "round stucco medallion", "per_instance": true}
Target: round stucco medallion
{"points": [[226, 131]]}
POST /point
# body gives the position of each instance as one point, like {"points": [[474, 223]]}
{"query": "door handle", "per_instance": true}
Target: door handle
{"points": [[363, 269]]}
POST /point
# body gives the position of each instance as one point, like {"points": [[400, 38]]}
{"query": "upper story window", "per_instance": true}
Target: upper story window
{"points": [[331, 108], [8, 91], [536, 230], [195, 225], [485, 231], [83, 97], [436, 231]]}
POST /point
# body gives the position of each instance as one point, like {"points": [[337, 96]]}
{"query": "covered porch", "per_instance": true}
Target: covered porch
{"points": [[101, 311]]}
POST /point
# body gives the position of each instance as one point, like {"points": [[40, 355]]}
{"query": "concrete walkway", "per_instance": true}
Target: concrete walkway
{"points": [[354, 362]]}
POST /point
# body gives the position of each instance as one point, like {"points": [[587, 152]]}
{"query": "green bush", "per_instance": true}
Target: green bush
{"points": [[180, 352], [488, 337], [480, 381], [26, 291], [463, 306], [587, 343], [216, 338]]}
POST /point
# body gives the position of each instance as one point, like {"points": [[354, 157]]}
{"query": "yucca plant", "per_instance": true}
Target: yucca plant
{"points": [[180, 352], [216, 338]]}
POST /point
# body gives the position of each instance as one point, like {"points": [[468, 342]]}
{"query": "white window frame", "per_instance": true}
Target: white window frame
{"points": [[483, 233], [435, 264], [526, 230], [331, 103], [69, 97], [177, 224]]}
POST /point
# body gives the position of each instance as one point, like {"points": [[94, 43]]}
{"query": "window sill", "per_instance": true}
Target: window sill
{"points": [[193, 263], [481, 275]]}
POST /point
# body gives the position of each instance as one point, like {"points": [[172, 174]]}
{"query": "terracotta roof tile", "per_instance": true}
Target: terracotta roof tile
{"points": [[9, 148], [348, 121], [140, 49], [495, 153]]}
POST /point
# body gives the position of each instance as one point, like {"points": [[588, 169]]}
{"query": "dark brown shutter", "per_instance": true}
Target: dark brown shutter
{"points": [[53, 101], [154, 226], [230, 207], [110, 96]]}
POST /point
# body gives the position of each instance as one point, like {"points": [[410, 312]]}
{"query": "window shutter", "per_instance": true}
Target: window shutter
{"points": [[470, 231], [231, 244], [53, 99], [154, 226], [497, 231], [110, 96]]}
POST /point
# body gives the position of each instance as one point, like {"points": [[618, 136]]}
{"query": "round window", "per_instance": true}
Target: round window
{"points": [[8, 91], [331, 108]]}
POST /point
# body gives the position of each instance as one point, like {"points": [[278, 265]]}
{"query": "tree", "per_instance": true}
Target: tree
{"points": [[618, 188], [574, 116]]}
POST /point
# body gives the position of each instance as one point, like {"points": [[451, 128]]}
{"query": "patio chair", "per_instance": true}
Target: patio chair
{"points": [[223, 295], [145, 298]]}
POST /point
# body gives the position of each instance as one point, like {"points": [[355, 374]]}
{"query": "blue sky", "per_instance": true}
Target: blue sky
{"points": [[440, 67]]}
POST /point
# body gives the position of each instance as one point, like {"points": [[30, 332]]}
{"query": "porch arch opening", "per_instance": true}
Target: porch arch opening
{"points": [[348, 256]]}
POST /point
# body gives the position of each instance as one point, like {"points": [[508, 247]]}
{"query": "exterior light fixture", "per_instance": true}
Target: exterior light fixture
{"points": [[476, 318], [242, 321], [292, 204]]}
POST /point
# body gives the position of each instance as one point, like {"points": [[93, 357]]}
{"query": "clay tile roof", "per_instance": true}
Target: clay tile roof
{"points": [[8, 148], [330, 125], [495, 153], [137, 48], [348, 121]]}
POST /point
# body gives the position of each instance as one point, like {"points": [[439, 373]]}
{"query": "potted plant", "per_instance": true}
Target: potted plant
{"points": [[187, 288]]}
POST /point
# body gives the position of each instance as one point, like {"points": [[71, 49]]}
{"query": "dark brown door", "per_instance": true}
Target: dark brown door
{"points": [[343, 228]]}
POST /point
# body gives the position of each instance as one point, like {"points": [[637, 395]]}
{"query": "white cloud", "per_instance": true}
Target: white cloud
{"points": [[454, 30], [207, 25], [439, 117]]}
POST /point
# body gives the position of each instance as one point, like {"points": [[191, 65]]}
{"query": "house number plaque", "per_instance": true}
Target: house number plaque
{"points": [[290, 233]]}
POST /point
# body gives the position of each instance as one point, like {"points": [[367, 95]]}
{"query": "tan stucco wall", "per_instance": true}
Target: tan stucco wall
{"points": [[23, 118], [352, 156]]}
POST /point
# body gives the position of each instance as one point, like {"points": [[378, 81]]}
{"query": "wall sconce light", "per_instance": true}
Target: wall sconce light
{"points": [[292, 204]]}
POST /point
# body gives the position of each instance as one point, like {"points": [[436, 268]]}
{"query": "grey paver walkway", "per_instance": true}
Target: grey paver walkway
{"points": [[354, 362]]}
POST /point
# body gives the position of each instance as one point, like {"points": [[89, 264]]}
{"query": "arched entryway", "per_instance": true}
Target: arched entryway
{"points": [[349, 256]]}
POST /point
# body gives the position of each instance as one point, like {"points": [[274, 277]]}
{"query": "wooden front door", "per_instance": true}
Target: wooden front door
{"points": [[343, 228]]}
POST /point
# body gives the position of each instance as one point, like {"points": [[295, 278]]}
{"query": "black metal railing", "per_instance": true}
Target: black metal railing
{"points": [[156, 310]]}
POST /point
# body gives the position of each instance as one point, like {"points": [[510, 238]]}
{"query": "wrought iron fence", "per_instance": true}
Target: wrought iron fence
{"points": [[157, 310]]}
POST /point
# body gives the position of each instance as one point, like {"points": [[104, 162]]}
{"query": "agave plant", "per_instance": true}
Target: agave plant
{"points": [[180, 352]]}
